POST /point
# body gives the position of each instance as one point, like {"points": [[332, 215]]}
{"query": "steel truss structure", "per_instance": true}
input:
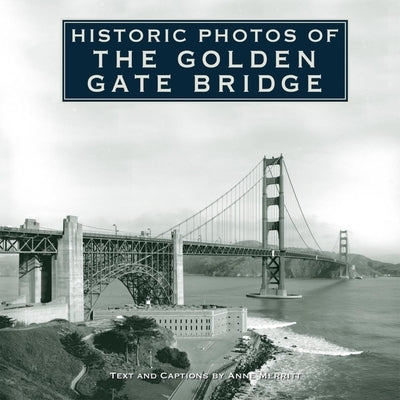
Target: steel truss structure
{"points": [[29, 263], [143, 265], [272, 264], [22, 241], [216, 249]]}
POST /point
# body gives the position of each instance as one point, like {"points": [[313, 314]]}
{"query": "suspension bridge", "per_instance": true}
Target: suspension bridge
{"points": [[254, 218]]}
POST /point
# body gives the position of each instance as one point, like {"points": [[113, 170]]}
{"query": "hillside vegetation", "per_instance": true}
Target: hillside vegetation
{"points": [[40, 361], [248, 266], [34, 365]]}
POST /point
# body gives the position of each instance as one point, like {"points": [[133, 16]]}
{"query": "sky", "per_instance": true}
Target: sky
{"points": [[150, 165]]}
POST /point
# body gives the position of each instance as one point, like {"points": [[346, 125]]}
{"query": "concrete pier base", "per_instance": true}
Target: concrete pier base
{"points": [[274, 294], [178, 268], [9, 285], [68, 270], [30, 284], [273, 291]]}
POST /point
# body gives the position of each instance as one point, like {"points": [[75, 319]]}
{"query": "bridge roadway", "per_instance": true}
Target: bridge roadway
{"points": [[44, 241]]}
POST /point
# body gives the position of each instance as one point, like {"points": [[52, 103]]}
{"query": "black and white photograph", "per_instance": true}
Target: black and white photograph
{"points": [[199, 200]]}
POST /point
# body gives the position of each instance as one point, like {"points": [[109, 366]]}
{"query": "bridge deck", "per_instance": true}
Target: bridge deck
{"points": [[19, 240]]}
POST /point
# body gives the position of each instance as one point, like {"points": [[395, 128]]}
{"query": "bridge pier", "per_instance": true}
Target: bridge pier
{"points": [[30, 284], [67, 270], [35, 283], [273, 268], [9, 283], [178, 267], [46, 279]]}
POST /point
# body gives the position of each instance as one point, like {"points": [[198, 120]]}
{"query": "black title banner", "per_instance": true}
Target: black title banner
{"points": [[205, 60]]}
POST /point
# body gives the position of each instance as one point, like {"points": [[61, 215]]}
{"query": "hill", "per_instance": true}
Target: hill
{"points": [[366, 266], [248, 266], [34, 365]]}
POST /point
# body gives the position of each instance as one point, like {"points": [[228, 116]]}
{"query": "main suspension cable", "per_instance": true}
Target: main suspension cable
{"points": [[301, 210]]}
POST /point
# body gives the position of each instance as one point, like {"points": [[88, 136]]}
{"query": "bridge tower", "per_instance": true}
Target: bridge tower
{"points": [[343, 253], [273, 266]]}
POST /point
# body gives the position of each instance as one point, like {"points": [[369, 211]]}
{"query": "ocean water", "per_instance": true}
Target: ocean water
{"points": [[342, 337]]}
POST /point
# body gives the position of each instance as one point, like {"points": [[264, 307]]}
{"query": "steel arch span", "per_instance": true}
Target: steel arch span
{"points": [[142, 282]]}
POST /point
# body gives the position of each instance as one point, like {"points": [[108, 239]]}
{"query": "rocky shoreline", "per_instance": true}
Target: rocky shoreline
{"points": [[254, 359]]}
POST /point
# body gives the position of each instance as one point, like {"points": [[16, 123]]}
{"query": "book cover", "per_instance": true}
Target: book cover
{"points": [[199, 200]]}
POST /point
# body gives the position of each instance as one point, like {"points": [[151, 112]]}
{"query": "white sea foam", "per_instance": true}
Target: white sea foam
{"points": [[310, 358], [266, 323], [284, 337]]}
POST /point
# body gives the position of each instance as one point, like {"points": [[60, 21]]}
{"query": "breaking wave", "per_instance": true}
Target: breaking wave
{"points": [[283, 337], [266, 323]]}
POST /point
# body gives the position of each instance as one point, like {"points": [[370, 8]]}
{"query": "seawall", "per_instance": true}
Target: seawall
{"points": [[37, 313]]}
